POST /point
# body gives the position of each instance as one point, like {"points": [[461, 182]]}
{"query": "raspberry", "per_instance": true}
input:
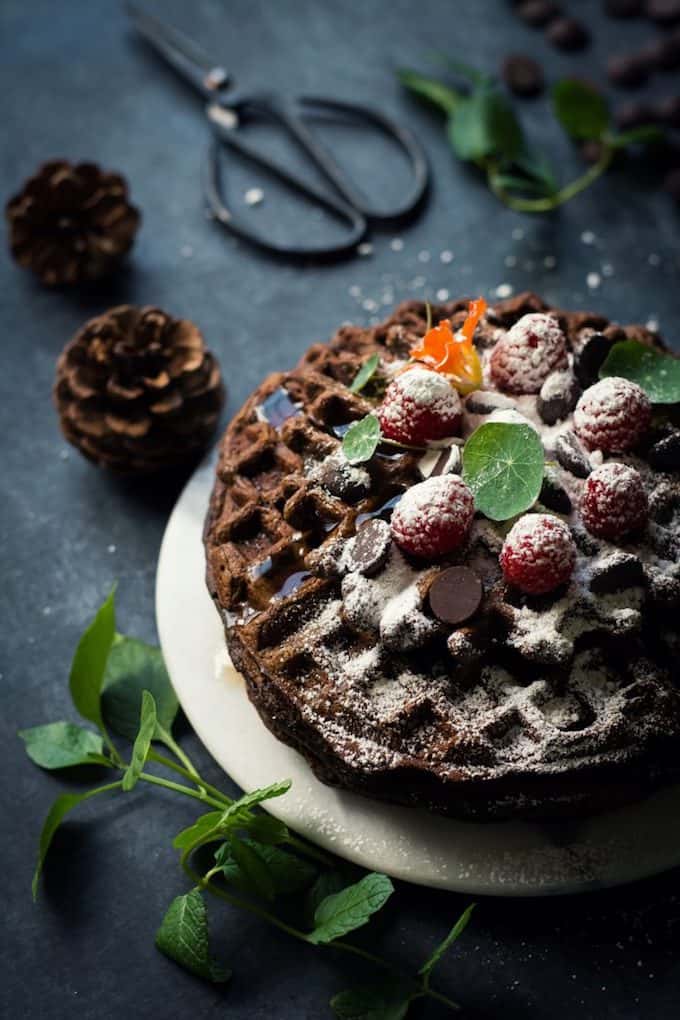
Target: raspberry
{"points": [[528, 353], [614, 501], [420, 405], [538, 554], [612, 415], [433, 517]]}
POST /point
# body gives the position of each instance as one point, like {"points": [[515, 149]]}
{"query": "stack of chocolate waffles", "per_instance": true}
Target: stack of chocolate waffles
{"points": [[411, 648]]}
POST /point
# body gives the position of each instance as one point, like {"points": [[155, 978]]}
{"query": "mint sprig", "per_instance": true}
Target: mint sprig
{"points": [[658, 374], [503, 466], [257, 859]]}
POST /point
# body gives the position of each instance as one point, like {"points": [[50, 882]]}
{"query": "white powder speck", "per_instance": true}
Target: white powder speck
{"points": [[654, 259], [424, 256], [446, 256], [550, 262], [504, 290], [593, 281], [355, 291], [186, 251], [653, 325], [442, 294], [369, 305], [111, 549], [588, 237], [517, 234], [396, 244], [364, 249], [510, 261], [607, 269]]}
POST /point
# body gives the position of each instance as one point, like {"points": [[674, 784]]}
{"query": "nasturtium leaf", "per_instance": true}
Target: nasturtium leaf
{"points": [[457, 930], [484, 124], [446, 98], [140, 749], [201, 828], [658, 374], [252, 868], [60, 808], [288, 872], [365, 373], [350, 908], [133, 667], [387, 1001], [183, 936], [581, 110], [503, 466], [361, 439], [89, 662], [61, 745]]}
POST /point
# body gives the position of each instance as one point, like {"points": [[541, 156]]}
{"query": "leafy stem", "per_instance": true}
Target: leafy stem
{"points": [[560, 197]]}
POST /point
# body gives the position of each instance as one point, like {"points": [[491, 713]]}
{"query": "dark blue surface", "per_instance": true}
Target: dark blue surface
{"points": [[75, 84]]}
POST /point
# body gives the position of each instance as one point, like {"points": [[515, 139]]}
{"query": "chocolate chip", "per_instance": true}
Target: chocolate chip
{"points": [[622, 8], [671, 183], [590, 350], [629, 70], [558, 397], [633, 114], [552, 494], [667, 111], [446, 460], [371, 547], [537, 12], [567, 34], [663, 11], [455, 595], [664, 455], [523, 75], [571, 455], [620, 570], [341, 480]]}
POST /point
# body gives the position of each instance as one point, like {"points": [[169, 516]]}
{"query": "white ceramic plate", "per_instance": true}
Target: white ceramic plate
{"points": [[502, 859]]}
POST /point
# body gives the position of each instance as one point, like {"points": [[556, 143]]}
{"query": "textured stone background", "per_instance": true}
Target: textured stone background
{"points": [[75, 84]]}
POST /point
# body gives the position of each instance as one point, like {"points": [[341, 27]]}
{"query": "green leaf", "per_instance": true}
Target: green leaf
{"points": [[140, 750], [457, 930], [366, 371], [240, 809], [387, 1001], [288, 873], [60, 745], [485, 125], [89, 662], [61, 807], [267, 829], [327, 883], [351, 908], [518, 185], [534, 164], [503, 466], [253, 868], [361, 439], [133, 667], [581, 110], [658, 374], [446, 98], [183, 936], [637, 136], [197, 832]]}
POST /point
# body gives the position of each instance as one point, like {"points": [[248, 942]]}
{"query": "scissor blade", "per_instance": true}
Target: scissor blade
{"points": [[183, 54]]}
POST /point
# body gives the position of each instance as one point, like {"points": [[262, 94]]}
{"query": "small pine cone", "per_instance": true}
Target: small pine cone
{"points": [[138, 391], [71, 223]]}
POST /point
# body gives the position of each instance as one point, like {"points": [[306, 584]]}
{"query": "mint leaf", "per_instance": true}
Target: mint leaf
{"points": [[140, 750], [447, 99], [327, 883], [456, 931], [239, 811], [580, 109], [253, 869], [365, 373], [485, 125], [658, 374], [60, 745], [503, 466], [534, 164], [89, 662], [196, 833], [351, 908], [387, 1001], [267, 829], [133, 667], [61, 807], [183, 936], [361, 439], [288, 873]]}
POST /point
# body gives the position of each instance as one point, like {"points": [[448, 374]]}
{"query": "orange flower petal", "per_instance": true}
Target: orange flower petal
{"points": [[454, 355]]}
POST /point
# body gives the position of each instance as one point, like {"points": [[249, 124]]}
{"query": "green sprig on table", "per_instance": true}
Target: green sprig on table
{"points": [[483, 129], [121, 686]]}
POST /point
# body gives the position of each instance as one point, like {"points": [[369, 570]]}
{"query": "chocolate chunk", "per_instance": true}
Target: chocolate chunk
{"points": [[663, 11], [446, 460], [629, 69], [371, 547], [664, 454], [622, 8], [486, 401], [590, 351], [667, 111], [537, 12], [341, 479], [571, 455], [632, 115], [455, 595], [552, 494], [620, 570], [558, 397], [523, 75], [567, 34]]}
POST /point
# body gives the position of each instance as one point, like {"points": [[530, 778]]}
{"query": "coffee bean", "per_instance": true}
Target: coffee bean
{"points": [[523, 75], [629, 70], [571, 455], [671, 183], [537, 12], [663, 11], [567, 34], [667, 111], [632, 115], [623, 8], [371, 547], [553, 494], [455, 595], [662, 54], [558, 396]]}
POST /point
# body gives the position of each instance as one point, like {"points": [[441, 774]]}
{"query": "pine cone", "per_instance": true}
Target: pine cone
{"points": [[71, 223], [137, 390]]}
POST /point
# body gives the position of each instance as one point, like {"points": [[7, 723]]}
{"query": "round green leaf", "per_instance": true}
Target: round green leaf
{"points": [[361, 439], [61, 745], [134, 667], [658, 374], [580, 109], [503, 466], [484, 124]]}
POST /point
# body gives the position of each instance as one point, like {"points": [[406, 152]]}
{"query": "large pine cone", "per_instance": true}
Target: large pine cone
{"points": [[71, 223], [138, 391]]}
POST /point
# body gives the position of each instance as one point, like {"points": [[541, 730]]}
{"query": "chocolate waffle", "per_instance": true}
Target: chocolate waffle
{"points": [[542, 705]]}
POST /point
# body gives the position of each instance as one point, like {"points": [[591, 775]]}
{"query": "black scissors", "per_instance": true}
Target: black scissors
{"points": [[227, 111]]}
